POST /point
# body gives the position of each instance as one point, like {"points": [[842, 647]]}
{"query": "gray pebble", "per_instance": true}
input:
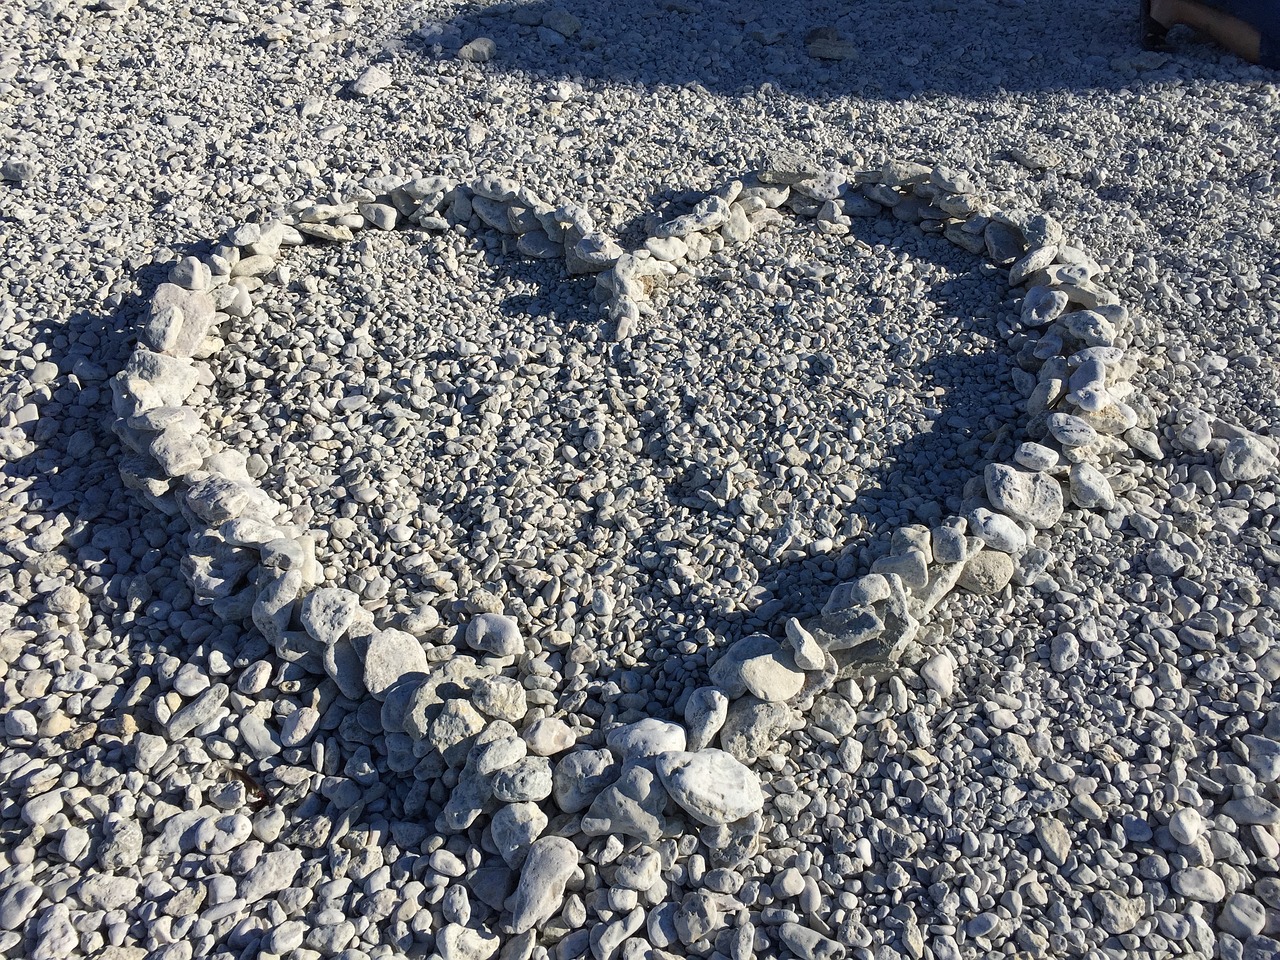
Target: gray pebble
{"points": [[197, 713], [1199, 883], [580, 776], [704, 715], [529, 779], [273, 872]]}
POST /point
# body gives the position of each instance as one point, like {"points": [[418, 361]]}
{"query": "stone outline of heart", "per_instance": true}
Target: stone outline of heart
{"points": [[1082, 361]]}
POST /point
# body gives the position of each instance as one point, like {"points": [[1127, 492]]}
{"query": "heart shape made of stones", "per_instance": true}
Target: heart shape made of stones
{"points": [[469, 712]]}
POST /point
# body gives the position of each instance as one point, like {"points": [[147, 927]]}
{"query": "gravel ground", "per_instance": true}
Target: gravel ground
{"points": [[1084, 763]]}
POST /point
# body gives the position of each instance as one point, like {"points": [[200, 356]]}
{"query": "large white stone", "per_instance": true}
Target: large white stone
{"points": [[456, 942], [646, 738], [997, 531], [1034, 498], [172, 378], [179, 320], [391, 655], [1090, 489], [758, 665], [540, 893], [752, 726], [373, 79], [1186, 825], [1264, 757], [495, 633], [328, 613], [987, 572], [710, 785], [938, 673], [514, 828], [1199, 883], [1245, 459]]}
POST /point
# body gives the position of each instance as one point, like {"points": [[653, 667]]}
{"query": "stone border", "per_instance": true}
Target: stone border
{"points": [[1073, 345]]}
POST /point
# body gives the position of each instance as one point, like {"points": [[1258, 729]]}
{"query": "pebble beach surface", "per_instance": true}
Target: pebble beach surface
{"points": [[675, 479]]}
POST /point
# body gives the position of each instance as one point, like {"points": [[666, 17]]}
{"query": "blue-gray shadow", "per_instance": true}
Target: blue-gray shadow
{"points": [[895, 51]]}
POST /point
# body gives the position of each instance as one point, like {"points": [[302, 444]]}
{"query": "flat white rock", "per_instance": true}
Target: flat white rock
{"points": [[1034, 498], [391, 655], [373, 79], [1245, 459], [710, 785], [646, 738]]}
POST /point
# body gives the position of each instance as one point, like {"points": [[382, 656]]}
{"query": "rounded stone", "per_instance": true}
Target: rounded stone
{"points": [[1034, 498], [1242, 916], [391, 655], [789, 883], [1246, 459], [646, 738], [1071, 431], [502, 698], [1186, 826], [938, 673], [580, 776], [514, 828], [997, 531], [1199, 883], [710, 785], [760, 666], [987, 572], [1090, 489], [527, 780], [549, 736], [752, 726], [496, 634]]}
